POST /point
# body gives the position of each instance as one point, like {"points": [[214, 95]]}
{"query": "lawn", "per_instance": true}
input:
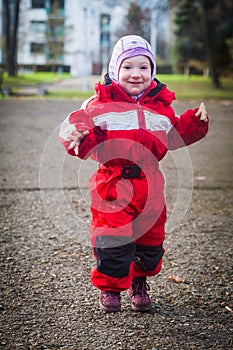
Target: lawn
{"points": [[32, 79], [197, 87], [192, 87]]}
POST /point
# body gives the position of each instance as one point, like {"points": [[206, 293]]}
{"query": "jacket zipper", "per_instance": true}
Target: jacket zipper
{"points": [[142, 126], [141, 117]]}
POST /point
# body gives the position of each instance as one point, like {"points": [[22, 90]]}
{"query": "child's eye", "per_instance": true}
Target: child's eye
{"points": [[144, 67], [126, 67]]}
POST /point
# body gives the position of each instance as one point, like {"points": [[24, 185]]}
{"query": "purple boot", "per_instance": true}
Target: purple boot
{"points": [[140, 300], [110, 301]]}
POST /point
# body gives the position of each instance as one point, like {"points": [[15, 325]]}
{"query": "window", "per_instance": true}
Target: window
{"points": [[57, 3], [105, 23], [38, 4], [105, 30], [55, 50], [37, 48], [105, 20], [38, 26]]}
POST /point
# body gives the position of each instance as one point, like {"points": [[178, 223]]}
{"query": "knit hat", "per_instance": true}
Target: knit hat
{"points": [[129, 46]]}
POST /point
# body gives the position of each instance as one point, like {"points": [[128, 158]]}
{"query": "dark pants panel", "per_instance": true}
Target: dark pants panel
{"points": [[113, 261], [148, 257]]}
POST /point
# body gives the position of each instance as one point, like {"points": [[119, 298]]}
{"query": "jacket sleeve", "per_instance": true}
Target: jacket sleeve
{"points": [[187, 129], [80, 121]]}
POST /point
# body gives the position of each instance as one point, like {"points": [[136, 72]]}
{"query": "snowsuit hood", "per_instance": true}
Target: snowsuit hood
{"points": [[126, 47]]}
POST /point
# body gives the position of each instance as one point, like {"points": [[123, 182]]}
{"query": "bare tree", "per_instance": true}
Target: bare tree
{"points": [[210, 20], [203, 32], [137, 22], [10, 29]]}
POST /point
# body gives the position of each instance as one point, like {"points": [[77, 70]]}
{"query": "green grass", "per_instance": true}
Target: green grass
{"points": [[70, 94], [197, 87], [193, 87], [32, 79]]}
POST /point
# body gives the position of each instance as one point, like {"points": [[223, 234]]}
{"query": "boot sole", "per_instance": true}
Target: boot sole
{"points": [[141, 308], [109, 309]]}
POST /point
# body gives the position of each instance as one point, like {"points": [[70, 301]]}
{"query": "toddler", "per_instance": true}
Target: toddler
{"points": [[127, 127]]}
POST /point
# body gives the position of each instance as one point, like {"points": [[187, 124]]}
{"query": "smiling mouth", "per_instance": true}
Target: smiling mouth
{"points": [[135, 83]]}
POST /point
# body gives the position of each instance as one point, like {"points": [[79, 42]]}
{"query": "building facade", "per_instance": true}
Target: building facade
{"points": [[76, 35]]}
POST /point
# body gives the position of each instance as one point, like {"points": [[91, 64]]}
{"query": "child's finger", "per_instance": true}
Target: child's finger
{"points": [[73, 144], [201, 113], [76, 137], [83, 135]]}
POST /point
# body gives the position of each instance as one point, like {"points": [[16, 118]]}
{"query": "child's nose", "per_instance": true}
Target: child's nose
{"points": [[136, 72]]}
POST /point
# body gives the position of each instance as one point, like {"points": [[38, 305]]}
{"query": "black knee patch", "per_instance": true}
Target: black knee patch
{"points": [[147, 258], [113, 260]]}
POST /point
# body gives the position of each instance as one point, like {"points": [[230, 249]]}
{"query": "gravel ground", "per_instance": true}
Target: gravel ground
{"points": [[47, 301]]}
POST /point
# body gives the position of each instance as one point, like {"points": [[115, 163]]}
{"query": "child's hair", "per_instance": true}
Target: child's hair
{"points": [[130, 46]]}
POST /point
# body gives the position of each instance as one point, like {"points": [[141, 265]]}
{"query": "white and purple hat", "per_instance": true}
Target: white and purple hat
{"points": [[129, 46]]}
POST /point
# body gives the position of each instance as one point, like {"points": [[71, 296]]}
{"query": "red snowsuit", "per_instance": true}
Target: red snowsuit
{"points": [[129, 138]]}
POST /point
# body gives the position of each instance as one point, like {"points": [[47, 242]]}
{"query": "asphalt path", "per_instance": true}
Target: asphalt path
{"points": [[47, 299]]}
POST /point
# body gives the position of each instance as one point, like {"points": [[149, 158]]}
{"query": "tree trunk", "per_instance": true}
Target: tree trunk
{"points": [[211, 36], [10, 23]]}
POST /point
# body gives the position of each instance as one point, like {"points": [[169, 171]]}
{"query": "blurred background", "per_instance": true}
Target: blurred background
{"points": [[77, 36]]}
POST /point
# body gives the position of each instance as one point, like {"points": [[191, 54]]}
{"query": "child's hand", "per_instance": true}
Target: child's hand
{"points": [[201, 113], [76, 138]]}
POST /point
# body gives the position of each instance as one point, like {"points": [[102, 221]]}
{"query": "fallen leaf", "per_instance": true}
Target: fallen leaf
{"points": [[176, 279], [228, 309], [200, 178]]}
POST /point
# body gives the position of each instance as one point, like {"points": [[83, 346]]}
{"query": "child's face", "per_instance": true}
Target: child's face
{"points": [[135, 74]]}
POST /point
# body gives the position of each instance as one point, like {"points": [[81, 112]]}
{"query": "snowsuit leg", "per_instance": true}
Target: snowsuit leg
{"points": [[127, 241], [149, 249], [113, 249]]}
